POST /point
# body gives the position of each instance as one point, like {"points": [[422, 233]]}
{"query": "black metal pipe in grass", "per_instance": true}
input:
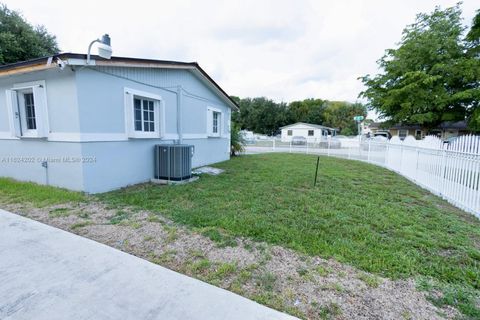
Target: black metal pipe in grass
{"points": [[316, 172]]}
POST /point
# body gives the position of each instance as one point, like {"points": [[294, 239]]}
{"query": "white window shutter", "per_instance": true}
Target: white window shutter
{"points": [[221, 127], [13, 113], [129, 128], [209, 122], [161, 118], [229, 124], [41, 113]]}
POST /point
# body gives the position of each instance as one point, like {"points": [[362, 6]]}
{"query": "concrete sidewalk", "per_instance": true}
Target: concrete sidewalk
{"points": [[47, 273]]}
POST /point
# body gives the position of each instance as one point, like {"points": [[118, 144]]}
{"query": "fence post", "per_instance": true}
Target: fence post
{"points": [[273, 145], [442, 187], [307, 147], [401, 158], [387, 151], [290, 146], [416, 165], [328, 147], [348, 151], [368, 154]]}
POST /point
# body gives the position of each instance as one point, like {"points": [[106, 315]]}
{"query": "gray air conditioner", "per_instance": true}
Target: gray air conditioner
{"points": [[173, 161]]}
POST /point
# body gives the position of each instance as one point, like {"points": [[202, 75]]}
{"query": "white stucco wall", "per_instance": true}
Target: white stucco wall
{"points": [[302, 131], [86, 113]]}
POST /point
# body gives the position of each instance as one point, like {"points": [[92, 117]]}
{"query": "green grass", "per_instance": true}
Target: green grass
{"points": [[223, 240], [330, 311], [323, 271], [266, 281], [119, 217], [358, 213], [59, 212], [370, 280], [12, 191], [79, 225], [201, 265], [463, 298]]}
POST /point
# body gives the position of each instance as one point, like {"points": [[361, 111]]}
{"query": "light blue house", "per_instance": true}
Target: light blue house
{"points": [[95, 125]]}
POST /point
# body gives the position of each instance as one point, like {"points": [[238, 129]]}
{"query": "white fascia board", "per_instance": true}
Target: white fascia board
{"points": [[80, 62], [214, 89]]}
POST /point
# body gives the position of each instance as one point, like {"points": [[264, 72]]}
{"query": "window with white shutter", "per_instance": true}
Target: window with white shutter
{"points": [[27, 106]]}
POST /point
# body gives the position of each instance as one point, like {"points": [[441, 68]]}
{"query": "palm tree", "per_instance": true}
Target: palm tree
{"points": [[236, 140]]}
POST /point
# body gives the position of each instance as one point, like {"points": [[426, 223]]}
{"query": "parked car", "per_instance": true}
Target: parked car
{"points": [[382, 133], [332, 143], [299, 140], [376, 141], [448, 141]]}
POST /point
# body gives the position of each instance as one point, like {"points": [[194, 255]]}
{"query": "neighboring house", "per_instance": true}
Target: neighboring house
{"points": [[444, 131], [366, 127], [96, 125], [311, 132], [374, 127], [450, 129], [402, 131]]}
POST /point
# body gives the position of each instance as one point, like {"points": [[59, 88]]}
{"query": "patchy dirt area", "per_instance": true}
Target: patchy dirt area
{"points": [[308, 287]]}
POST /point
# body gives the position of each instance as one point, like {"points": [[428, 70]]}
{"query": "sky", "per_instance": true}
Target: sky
{"points": [[283, 50]]}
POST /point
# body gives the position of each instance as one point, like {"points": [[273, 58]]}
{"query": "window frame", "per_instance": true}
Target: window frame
{"points": [[289, 132], [211, 112], [23, 114], [401, 136], [216, 122], [312, 131], [418, 133], [17, 109], [158, 114], [149, 109]]}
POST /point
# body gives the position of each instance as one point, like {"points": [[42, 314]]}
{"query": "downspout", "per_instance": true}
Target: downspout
{"points": [[179, 114]]}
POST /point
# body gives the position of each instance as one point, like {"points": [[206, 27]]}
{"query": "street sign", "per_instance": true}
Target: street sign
{"points": [[358, 118]]}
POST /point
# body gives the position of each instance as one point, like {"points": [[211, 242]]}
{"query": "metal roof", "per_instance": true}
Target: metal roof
{"points": [[317, 126], [118, 61]]}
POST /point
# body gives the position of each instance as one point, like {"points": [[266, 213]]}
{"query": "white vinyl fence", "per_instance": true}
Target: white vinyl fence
{"points": [[451, 171]]}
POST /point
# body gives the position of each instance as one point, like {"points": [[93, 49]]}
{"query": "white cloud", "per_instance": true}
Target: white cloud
{"points": [[284, 50]]}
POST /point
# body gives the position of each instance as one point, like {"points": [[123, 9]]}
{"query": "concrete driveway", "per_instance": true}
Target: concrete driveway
{"points": [[47, 273]]}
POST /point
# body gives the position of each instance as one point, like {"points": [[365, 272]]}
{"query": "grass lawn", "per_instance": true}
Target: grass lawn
{"points": [[12, 191], [358, 214]]}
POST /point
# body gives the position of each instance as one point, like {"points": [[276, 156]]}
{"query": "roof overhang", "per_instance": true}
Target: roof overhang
{"points": [[75, 59], [310, 125]]}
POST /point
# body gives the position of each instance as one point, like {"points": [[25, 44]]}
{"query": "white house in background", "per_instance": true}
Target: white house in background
{"points": [[93, 127], [311, 132]]}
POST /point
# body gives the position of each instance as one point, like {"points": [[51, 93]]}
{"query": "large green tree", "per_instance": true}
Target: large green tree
{"points": [[308, 110], [260, 115], [339, 114], [266, 116], [473, 43], [473, 36], [429, 78], [21, 41]]}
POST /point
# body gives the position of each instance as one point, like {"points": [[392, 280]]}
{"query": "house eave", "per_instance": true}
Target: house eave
{"points": [[27, 68], [310, 125], [76, 59]]}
